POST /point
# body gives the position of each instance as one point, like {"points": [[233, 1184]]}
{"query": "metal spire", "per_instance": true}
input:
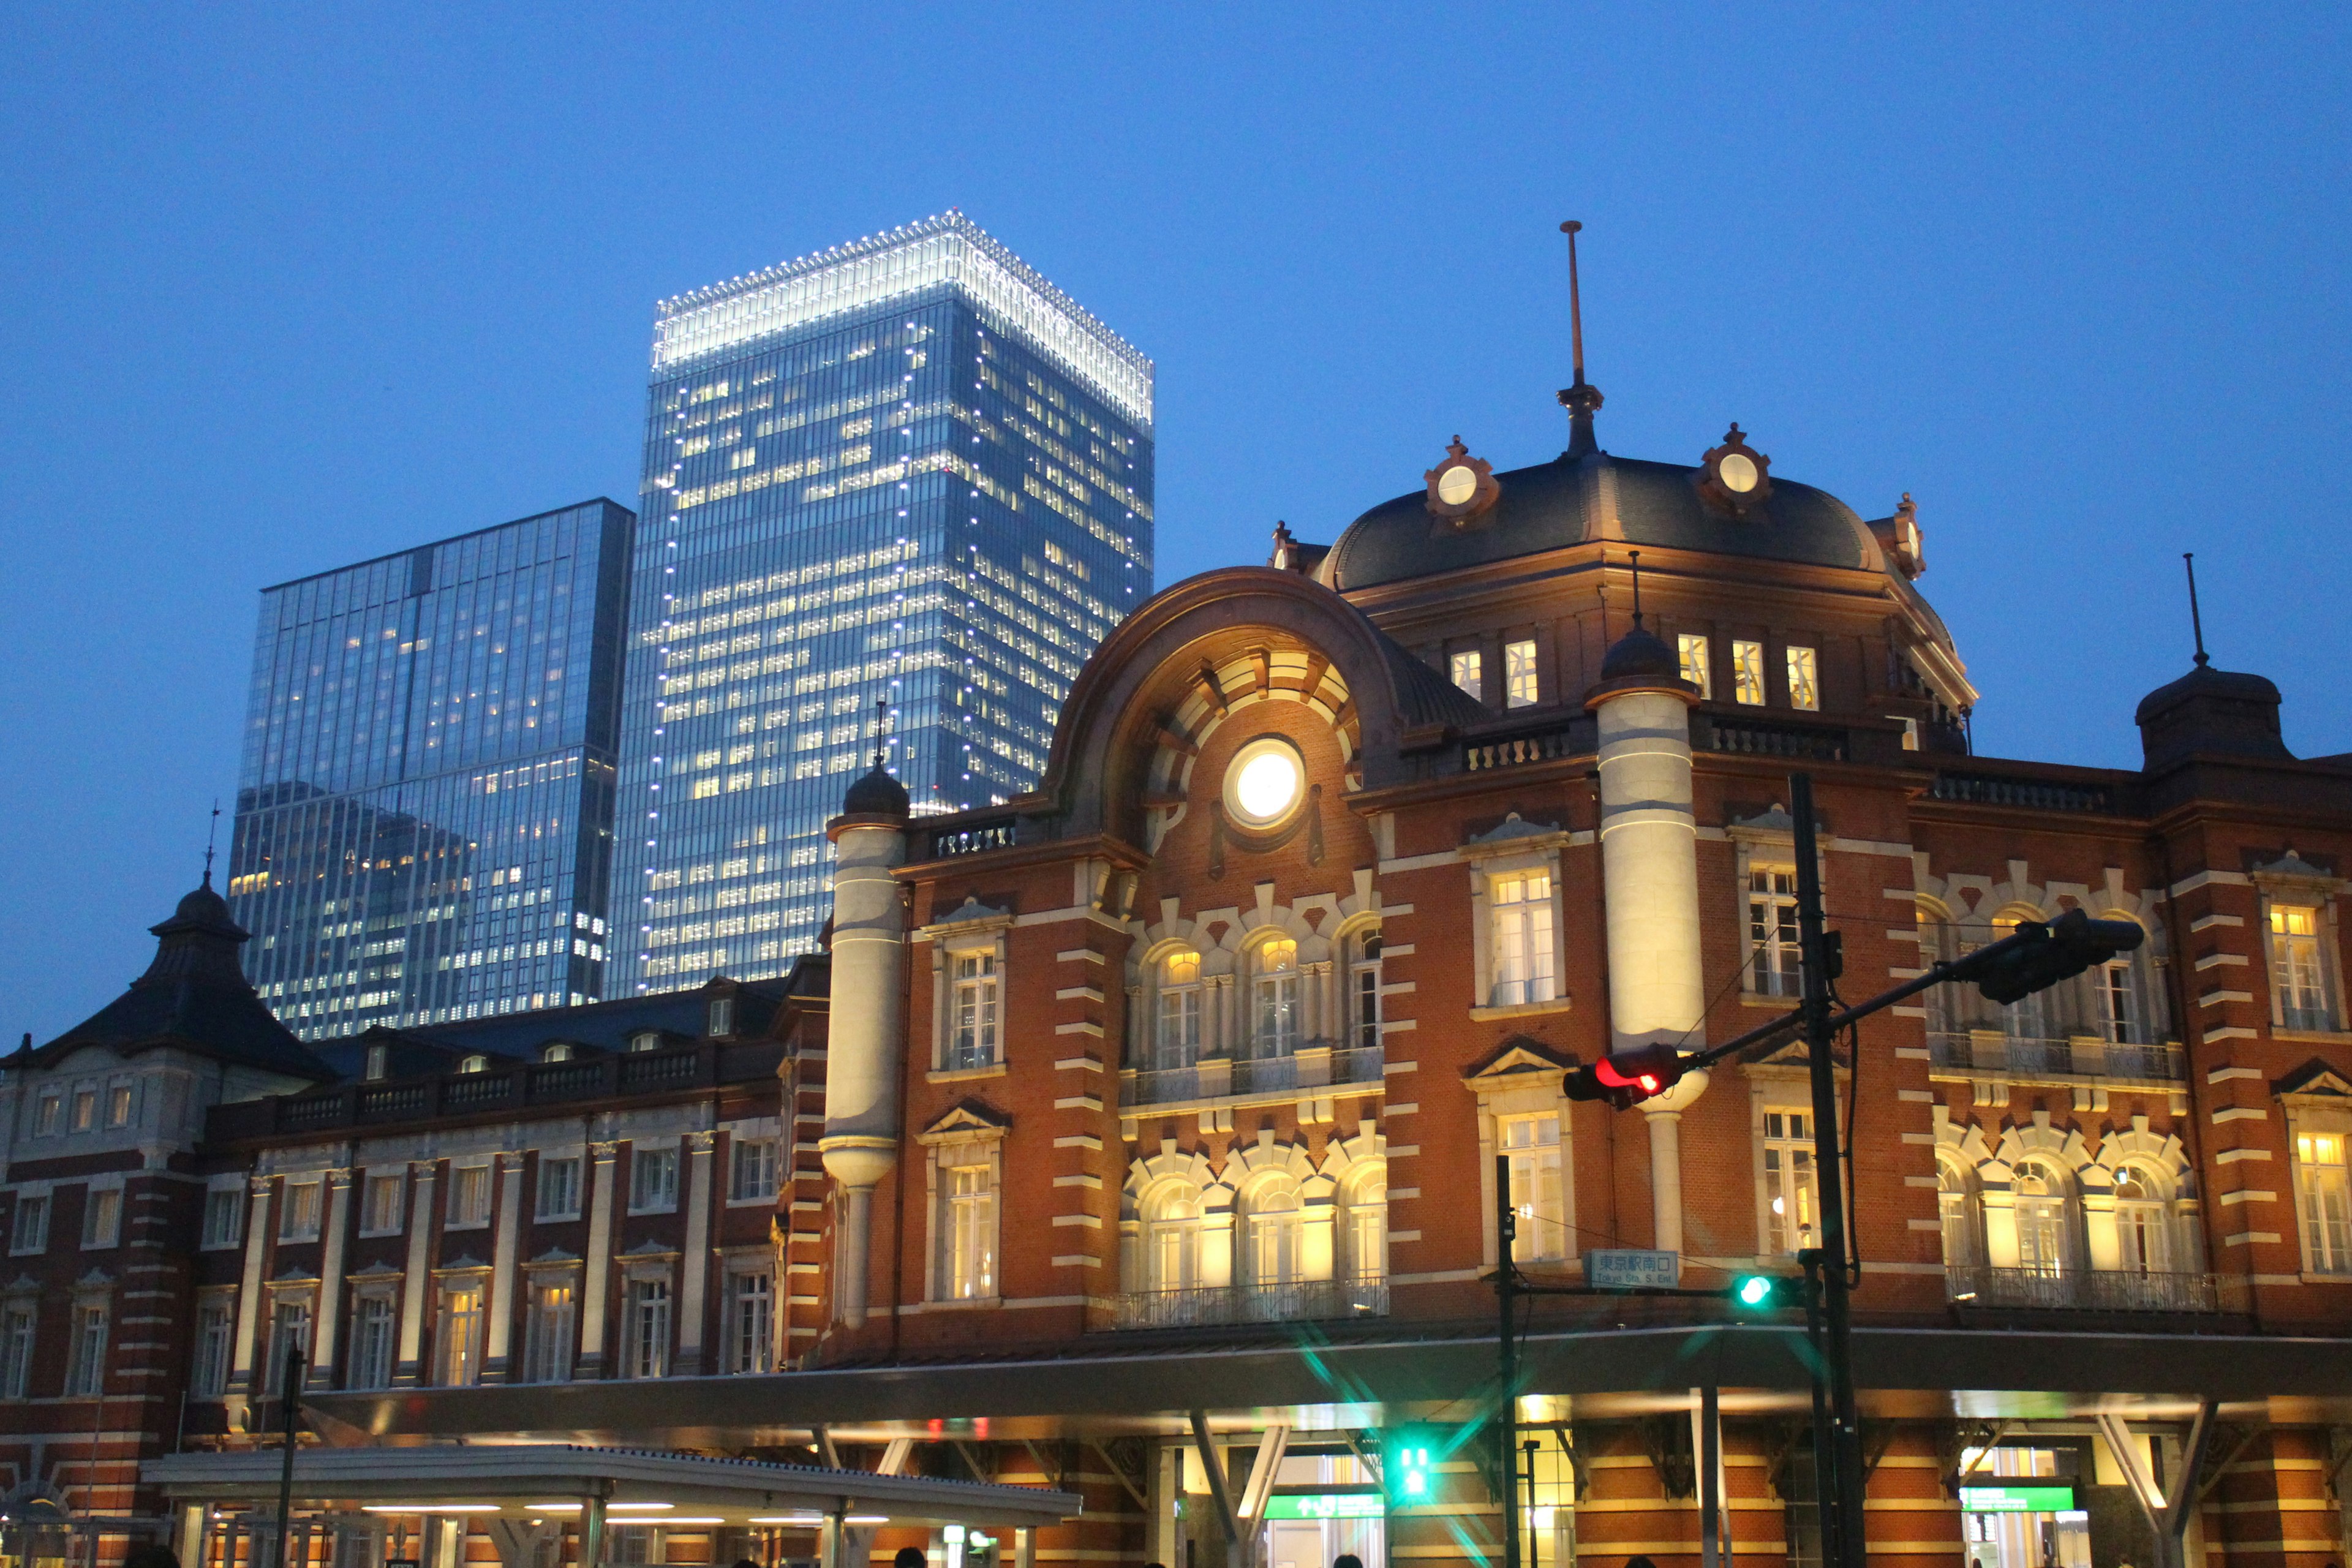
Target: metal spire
{"points": [[1580, 400], [881, 728], [2195, 621], [1636, 557], [210, 835]]}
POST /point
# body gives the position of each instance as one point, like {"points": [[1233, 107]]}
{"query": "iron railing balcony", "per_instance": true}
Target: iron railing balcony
{"points": [[1317, 1066], [1300, 1300], [2092, 1289], [1988, 1050]]}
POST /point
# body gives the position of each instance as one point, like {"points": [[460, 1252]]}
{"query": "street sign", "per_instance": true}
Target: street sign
{"points": [[2017, 1499], [1633, 1269], [1325, 1505]]}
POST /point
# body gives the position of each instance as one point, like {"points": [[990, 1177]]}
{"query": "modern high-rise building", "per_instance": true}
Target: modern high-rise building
{"points": [[905, 473], [424, 808]]}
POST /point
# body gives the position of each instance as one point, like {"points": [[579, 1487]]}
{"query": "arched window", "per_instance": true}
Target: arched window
{"points": [[1275, 998], [1956, 1203], [1934, 946], [1270, 1226], [1172, 1238], [1364, 993], [1366, 1238], [2043, 1218], [2143, 1228], [1176, 1042]]}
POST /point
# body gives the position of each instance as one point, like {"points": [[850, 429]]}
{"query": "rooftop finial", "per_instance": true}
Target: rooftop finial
{"points": [[211, 836], [881, 727], [2195, 621], [1580, 400], [1636, 557]]}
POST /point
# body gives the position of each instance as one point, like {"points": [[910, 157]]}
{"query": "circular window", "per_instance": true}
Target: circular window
{"points": [[1266, 781], [1738, 472], [1457, 484]]}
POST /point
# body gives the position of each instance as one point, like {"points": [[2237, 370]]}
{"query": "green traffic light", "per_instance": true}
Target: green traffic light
{"points": [[1755, 1290]]}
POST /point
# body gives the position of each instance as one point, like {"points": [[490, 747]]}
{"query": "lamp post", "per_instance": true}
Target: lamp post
{"points": [[290, 1398]]}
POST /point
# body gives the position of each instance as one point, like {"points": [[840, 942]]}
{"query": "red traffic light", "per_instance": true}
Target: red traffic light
{"points": [[1626, 1079]]}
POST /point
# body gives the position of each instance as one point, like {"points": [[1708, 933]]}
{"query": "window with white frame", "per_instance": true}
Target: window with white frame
{"points": [[559, 1187], [653, 1180], [1519, 917], [1176, 1035], [1747, 673], [48, 1115], [644, 1327], [750, 1322], [1270, 1232], [1956, 1207], [1519, 674], [381, 1201], [1171, 1237], [101, 1218], [459, 1334], [2045, 1219], [86, 1356], [215, 1334], [1804, 678], [85, 1107], [2118, 992], [2323, 1184], [1364, 992], [372, 1341], [18, 1322], [1273, 998], [1691, 660], [1793, 1195], [2299, 988], [31, 1229], [753, 1178], [967, 1230], [1462, 669], [118, 1104], [290, 1329], [2143, 1227], [972, 1004], [721, 1021], [1773, 969], [1364, 1256], [224, 1218], [305, 1202], [549, 1333], [469, 1195], [1539, 1209]]}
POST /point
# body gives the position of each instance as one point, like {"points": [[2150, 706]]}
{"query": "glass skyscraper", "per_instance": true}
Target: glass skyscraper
{"points": [[424, 808], [907, 471]]}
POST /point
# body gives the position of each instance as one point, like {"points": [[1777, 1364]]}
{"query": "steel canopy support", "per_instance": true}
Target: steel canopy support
{"points": [[2168, 1518]]}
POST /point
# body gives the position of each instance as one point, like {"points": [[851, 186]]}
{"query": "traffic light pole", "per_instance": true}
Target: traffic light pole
{"points": [[1506, 1412]]}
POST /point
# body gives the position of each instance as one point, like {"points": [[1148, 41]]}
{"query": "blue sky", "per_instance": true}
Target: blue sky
{"points": [[288, 288]]}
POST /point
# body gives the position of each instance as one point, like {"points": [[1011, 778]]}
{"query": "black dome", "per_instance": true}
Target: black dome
{"points": [[876, 793], [204, 907], [1640, 652], [1554, 505]]}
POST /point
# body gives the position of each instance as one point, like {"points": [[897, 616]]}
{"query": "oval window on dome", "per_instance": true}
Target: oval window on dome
{"points": [[1266, 781], [1738, 472], [1457, 484]]}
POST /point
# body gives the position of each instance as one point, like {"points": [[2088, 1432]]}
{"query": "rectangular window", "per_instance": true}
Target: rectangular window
{"points": [[469, 1195], [645, 1331], [300, 1222], [652, 1181], [1540, 1227], [1519, 674], [461, 1336], [1177, 1041], [547, 1356], [101, 1218], [2297, 979], [1790, 1194], [118, 1105], [85, 1110], [1367, 989], [2326, 1203], [755, 1176], [968, 1233], [559, 1187], [223, 1217], [381, 1217], [721, 1021], [973, 1042], [1804, 679], [1520, 909], [1692, 653], [290, 1327], [17, 1325], [1772, 966], [32, 1233], [372, 1321], [2118, 1003], [1463, 670], [751, 1322], [48, 1116], [86, 1370], [1747, 673]]}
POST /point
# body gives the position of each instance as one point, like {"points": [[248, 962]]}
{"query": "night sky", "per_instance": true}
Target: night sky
{"points": [[290, 289]]}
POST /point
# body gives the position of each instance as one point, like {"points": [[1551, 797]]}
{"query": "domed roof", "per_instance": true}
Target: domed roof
{"points": [[876, 793], [203, 907], [1640, 652], [1574, 501]]}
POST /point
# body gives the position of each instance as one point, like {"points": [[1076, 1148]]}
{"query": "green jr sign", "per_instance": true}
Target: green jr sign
{"points": [[1325, 1505], [2017, 1499]]}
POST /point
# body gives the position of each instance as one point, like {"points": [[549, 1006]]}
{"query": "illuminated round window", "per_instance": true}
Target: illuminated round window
{"points": [[1266, 781], [1738, 472], [1457, 484]]}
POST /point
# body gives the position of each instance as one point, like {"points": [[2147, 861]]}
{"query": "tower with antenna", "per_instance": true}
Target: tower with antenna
{"points": [[1580, 397]]}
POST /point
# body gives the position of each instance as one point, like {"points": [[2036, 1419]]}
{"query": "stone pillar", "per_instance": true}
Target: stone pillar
{"points": [[865, 1040], [410, 1371], [1665, 1115], [695, 1266], [597, 1285], [330, 1282], [498, 1344], [248, 1297]]}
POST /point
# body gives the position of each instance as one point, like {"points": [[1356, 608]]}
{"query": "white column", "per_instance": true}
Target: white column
{"points": [[411, 1370], [248, 1297], [498, 1344], [1665, 1115], [597, 1286], [330, 1282], [1648, 863], [865, 1043], [695, 1264]]}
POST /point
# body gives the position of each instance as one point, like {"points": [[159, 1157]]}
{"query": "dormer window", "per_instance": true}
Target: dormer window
{"points": [[476, 1063], [722, 1017], [379, 1062], [646, 1040], [558, 1052]]}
